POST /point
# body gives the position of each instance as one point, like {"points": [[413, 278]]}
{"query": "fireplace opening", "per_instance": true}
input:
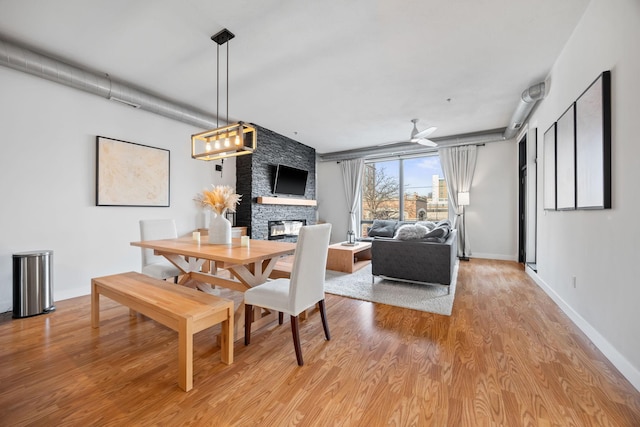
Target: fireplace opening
{"points": [[285, 228]]}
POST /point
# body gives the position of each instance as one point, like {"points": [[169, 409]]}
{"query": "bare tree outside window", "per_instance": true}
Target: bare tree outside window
{"points": [[379, 193]]}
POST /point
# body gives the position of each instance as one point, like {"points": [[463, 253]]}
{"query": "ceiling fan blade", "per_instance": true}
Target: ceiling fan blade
{"points": [[416, 137], [424, 133], [426, 142]]}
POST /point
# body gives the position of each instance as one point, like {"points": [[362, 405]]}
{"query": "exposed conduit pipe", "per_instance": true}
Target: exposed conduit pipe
{"points": [[408, 149], [527, 102], [25, 60]]}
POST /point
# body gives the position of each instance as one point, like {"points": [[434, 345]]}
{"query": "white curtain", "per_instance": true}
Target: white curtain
{"points": [[458, 166], [352, 174]]}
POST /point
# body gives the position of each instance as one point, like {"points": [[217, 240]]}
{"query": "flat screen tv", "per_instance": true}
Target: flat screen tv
{"points": [[290, 180]]}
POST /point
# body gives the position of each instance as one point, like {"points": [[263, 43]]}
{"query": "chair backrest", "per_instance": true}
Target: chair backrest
{"points": [[309, 266], [156, 229]]}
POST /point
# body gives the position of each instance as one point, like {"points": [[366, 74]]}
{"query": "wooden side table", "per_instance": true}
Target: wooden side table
{"points": [[348, 258]]}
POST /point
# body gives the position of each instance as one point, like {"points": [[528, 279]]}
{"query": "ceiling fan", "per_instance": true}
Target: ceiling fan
{"points": [[418, 137]]}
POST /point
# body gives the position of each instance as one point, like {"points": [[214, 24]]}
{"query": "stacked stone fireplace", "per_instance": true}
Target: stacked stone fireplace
{"points": [[254, 178]]}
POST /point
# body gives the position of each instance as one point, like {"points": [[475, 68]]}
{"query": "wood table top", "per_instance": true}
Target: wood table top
{"points": [[234, 253]]}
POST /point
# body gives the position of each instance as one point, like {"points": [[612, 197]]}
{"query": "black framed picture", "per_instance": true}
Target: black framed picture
{"points": [[549, 169], [593, 145], [566, 160], [129, 174]]}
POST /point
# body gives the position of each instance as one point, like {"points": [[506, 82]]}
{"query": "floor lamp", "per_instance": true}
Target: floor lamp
{"points": [[463, 200]]}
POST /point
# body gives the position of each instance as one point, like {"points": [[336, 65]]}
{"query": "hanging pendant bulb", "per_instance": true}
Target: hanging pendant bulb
{"points": [[207, 146], [237, 140]]}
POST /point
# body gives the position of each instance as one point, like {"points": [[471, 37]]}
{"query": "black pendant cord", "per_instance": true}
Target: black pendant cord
{"points": [[217, 85], [227, 83], [222, 37]]}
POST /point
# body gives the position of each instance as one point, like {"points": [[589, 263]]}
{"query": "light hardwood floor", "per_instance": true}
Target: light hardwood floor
{"points": [[507, 356]]}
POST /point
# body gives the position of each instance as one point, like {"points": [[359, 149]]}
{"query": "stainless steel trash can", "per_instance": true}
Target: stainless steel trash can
{"points": [[32, 283]]}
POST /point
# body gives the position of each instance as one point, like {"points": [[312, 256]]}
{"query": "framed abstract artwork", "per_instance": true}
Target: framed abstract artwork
{"points": [[566, 160], [549, 169], [593, 145], [129, 174]]}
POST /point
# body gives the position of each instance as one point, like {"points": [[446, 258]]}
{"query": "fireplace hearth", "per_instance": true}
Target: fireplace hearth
{"points": [[281, 229]]}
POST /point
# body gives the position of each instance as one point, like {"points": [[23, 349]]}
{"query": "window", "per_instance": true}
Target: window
{"points": [[420, 181]]}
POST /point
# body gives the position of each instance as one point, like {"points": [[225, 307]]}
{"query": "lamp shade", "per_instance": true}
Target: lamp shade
{"points": [[463, 198]]}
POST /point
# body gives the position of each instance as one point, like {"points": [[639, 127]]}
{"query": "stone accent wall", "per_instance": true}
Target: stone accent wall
{"points": [[254, 178]]}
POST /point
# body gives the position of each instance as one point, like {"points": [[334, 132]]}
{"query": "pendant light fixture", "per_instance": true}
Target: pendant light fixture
{"points": [[235, 139]]}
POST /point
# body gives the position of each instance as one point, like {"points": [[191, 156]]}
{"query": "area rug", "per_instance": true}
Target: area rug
{"points": [[433, 299]]}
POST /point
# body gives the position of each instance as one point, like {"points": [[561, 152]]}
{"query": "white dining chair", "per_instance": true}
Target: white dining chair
{"points": [[303, 290], [155, 265]]}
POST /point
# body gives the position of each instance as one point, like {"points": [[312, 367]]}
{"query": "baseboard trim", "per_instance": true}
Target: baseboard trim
{"points": [[70, 293], [6, 306], [500, 257], [58, 295], [610, 352]]}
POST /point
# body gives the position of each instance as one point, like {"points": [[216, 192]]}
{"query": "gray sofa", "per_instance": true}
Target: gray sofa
{"points": [[414, 259]]}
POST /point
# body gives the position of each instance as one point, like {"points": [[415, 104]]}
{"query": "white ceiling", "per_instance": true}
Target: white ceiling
{"points": [[334, 75]]}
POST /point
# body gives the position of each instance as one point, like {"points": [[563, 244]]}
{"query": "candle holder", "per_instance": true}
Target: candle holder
{"points": [[351, 237]]}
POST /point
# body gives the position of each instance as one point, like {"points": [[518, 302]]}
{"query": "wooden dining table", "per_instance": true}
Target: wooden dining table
{"points": [[231, 266]]}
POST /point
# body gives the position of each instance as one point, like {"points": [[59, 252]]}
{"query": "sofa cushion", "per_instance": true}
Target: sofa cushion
{"points": [[411, 232], [382, 228]]}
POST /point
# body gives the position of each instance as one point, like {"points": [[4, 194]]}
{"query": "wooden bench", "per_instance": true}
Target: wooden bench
{"points": [[182, 309]]}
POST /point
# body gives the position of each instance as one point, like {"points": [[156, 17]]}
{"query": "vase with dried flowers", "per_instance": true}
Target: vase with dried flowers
{"points": [[220, 199]]}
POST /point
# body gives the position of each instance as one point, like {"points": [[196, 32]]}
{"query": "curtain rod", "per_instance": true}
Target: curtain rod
{"points": [[409, 149]]}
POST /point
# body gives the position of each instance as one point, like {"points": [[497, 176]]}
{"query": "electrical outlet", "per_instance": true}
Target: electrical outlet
{"points": [[573, 281]]}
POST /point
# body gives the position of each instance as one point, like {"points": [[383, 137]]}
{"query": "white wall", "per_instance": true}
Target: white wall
{"points": [[47, 181], [332, 202], [491, 216], [599, 248]]}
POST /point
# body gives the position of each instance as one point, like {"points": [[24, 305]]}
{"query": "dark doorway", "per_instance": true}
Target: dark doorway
{"points": [[522, 199]]}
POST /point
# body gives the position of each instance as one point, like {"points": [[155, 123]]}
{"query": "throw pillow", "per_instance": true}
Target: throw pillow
{"points": [[441, 232], [444, 222], [382, 228], [411, 232], [429, 224]]}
